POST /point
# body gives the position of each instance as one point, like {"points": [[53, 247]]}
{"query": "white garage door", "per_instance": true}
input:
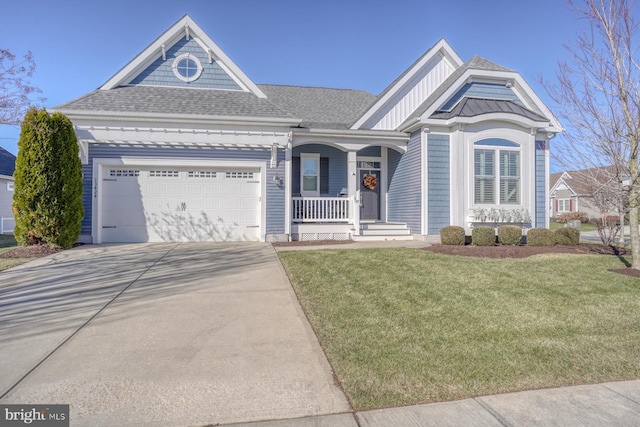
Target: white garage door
{"points": [[175, 205]]}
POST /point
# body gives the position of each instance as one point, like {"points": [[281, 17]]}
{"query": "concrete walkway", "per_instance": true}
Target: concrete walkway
{"points": [[164, 334], [212, 334]]}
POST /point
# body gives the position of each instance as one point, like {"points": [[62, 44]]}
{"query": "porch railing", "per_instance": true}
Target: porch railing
{"points": [[320, 209]]}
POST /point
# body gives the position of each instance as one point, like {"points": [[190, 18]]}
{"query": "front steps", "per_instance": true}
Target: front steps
{"points": [[382, 231]]}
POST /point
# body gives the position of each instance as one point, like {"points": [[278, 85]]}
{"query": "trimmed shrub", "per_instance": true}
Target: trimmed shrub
{"points": [[567, 236], [541, 237], [452, 235], [509, 235], [47, 201], [483, 236]]}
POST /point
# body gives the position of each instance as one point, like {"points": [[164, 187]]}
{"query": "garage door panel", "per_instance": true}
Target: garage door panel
{"points": [[184, 205]]}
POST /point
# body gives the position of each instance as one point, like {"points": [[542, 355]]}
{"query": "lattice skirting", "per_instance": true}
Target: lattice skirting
{"points": [[322, 236]]}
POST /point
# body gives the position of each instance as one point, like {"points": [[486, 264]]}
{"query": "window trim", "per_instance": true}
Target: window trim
{"points": [[176, 72], [562, 201], [309, 156], [498, 146]]}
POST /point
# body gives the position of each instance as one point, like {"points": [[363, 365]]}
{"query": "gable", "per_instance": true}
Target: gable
{"points": [[155, 64], [161, 71], [402, 97]]}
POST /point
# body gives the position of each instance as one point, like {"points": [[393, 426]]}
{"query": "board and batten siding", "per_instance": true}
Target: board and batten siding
{"points": [[404, 202], [540, 216], [412, 94], [160, 72], [275, 195], [438, 183]]}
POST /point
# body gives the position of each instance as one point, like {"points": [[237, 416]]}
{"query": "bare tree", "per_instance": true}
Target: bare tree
{"points": [[15, 86], [598, 97]]}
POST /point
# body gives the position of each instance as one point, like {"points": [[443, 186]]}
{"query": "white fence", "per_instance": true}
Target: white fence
{"points": [[7, 225], [320, 209]]}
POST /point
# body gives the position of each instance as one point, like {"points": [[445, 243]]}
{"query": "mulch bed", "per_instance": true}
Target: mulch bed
{"points": [[524, 251], [35, 251]]}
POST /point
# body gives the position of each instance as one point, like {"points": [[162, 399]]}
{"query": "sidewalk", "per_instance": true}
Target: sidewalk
{"points": [[609, 404]]}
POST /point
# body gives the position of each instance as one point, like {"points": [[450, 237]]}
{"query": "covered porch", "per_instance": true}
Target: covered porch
{"points": [[339, 192]]}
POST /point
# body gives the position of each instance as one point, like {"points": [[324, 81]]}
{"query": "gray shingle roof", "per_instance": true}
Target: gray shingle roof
{"points": [[7, 162], [471, 107], [171, 100], [320, 107]]}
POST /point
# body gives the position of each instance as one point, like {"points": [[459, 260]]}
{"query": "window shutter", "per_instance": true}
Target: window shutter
{"points": [[570, 205], [324, 175], [295, 176]]}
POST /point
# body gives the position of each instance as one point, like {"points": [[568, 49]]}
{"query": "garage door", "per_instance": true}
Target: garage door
{"points": [[173, 205]]}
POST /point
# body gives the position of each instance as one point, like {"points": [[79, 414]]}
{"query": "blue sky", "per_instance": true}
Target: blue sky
{"points": [[78, 45]]}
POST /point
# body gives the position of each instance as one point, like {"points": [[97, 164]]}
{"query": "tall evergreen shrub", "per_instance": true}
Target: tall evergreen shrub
{"points": [[47, 200]]}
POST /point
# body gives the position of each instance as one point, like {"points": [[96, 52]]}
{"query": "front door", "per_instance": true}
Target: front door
{"points": [[369, 195]]}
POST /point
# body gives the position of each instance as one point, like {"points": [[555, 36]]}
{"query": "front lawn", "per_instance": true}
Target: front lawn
{"points": [[407, 326], [7, 242]]}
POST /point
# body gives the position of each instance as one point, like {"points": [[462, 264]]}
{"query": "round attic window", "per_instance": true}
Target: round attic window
{"points": [[187, 67]]}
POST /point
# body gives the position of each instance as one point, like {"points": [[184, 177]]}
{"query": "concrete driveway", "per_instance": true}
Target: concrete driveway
{"points": [[161, 334]]}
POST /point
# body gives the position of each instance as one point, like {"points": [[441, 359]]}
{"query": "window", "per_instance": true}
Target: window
{"points": [[310, 176], [484, 176], [201, 174], [509, 177], [10, 186], [239, 175], [187, 67], [564, 205], [164, 174], [124, 172], [491, 179]]}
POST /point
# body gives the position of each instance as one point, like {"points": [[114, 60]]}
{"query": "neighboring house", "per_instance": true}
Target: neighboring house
{"points": [[7, 166], [574, 191], [181, 145]]}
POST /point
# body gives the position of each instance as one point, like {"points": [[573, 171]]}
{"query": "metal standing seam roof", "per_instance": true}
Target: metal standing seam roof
{"points": [[7, 162], [475, 63], [471, 107]]}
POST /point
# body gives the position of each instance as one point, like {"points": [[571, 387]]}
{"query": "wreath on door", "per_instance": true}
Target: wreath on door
{"points": [[370, 181]]}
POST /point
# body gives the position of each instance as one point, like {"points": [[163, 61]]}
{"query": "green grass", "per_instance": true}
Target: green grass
{"points": [[7, 242], [406, 326]]}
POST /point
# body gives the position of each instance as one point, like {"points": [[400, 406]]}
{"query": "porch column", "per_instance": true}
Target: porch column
{"points": [[352, 190]]}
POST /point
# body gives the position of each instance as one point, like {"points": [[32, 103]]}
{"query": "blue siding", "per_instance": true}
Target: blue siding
{"points": [[439, 183], [481, 90], [275, 197], [404, 201], [370, 152], [337, 165], [160, 73], [541, 188]]}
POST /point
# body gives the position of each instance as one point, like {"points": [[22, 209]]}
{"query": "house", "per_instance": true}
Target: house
{"points": [[7, 166], [589, 191], [181, 144]]}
